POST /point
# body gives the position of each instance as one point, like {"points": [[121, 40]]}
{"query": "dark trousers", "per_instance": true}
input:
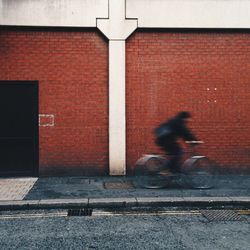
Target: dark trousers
{"points": [[174, 152]]}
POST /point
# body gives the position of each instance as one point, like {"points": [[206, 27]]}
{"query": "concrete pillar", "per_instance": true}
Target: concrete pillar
{"points": [[116, 28], [117, 119]]}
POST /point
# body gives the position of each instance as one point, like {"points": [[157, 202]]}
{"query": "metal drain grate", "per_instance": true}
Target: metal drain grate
{"points": [[80, 212], [119, 185], [221, 215]]}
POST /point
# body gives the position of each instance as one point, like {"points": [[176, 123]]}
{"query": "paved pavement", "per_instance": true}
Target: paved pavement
{"points": [[63, 192], [15, 188]]}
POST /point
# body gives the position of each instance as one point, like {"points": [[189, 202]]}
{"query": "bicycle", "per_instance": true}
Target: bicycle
{"points": [[196, 172]]}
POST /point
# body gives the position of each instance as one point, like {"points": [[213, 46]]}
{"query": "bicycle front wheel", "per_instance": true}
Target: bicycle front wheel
{"points": [[199, 172]]}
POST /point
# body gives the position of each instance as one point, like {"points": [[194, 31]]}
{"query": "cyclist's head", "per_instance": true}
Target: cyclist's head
{"points": [[184, 115]]}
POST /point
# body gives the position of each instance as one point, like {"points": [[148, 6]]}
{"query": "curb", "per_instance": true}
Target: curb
{"points": [[139, 202]]}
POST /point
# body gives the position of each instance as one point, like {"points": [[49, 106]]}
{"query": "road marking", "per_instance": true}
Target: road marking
{"points": [[109, 213], [244, 212], [30, 216], [98, 213], [138, 213]]}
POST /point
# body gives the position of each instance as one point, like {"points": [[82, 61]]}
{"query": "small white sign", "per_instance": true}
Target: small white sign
{"points": [[46, 120]]}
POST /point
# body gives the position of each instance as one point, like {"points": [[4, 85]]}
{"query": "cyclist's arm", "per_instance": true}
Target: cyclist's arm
{"points": [[187, 134]]}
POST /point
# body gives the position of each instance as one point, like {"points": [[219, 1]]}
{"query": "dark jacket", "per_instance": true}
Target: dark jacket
{"points": [[178, 129]]}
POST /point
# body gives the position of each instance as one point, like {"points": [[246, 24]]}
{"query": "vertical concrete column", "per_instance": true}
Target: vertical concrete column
{"points": [[117, 28], [117, 102]]}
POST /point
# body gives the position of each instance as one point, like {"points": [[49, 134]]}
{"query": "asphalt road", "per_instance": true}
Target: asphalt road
{"points": [[104, 230]]}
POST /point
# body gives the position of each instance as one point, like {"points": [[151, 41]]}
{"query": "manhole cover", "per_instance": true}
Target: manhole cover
{"points": [[118, 185], [221, 215]]}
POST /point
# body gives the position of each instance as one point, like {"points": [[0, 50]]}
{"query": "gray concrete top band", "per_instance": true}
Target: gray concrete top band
{"points": [[150, 13]]}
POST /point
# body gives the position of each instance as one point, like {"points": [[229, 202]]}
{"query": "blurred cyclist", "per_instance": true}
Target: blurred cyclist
{"points": [[167, 135]]}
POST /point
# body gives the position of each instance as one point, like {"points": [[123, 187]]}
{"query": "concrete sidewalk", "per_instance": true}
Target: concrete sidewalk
{"points": [[102, 192]]}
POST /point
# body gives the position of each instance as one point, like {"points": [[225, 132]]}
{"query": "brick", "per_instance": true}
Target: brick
{"points": [[72, 70], [172, 71]]}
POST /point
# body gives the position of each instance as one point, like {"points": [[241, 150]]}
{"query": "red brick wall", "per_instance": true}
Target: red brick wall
{"points": [[205, 73], [71, 68]]}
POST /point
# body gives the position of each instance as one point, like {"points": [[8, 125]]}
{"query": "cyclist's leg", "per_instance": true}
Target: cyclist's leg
{"points": [[175, 158]]}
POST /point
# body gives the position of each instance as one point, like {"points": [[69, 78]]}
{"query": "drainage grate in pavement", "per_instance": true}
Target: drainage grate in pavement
{"points": [[119, 185], [80, 212], [221, 215]]}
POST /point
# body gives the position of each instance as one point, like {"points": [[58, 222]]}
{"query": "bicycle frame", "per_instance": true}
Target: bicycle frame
{"points": [[196, 167]]}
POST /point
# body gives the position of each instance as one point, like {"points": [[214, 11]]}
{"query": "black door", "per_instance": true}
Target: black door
{"points": [[18, 128]]}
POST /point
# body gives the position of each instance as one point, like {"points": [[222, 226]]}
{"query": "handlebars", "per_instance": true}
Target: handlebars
{"points": [[194, 142]]}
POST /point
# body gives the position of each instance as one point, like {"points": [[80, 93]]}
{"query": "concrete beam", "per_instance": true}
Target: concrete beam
{"points": [[190, 13]]}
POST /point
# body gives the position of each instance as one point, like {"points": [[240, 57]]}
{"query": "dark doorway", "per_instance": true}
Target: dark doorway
{"points": [[18, 128]]}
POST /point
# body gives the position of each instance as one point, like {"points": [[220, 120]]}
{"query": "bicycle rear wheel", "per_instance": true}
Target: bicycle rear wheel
{"points": [[147, 170], [199, 172]]}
